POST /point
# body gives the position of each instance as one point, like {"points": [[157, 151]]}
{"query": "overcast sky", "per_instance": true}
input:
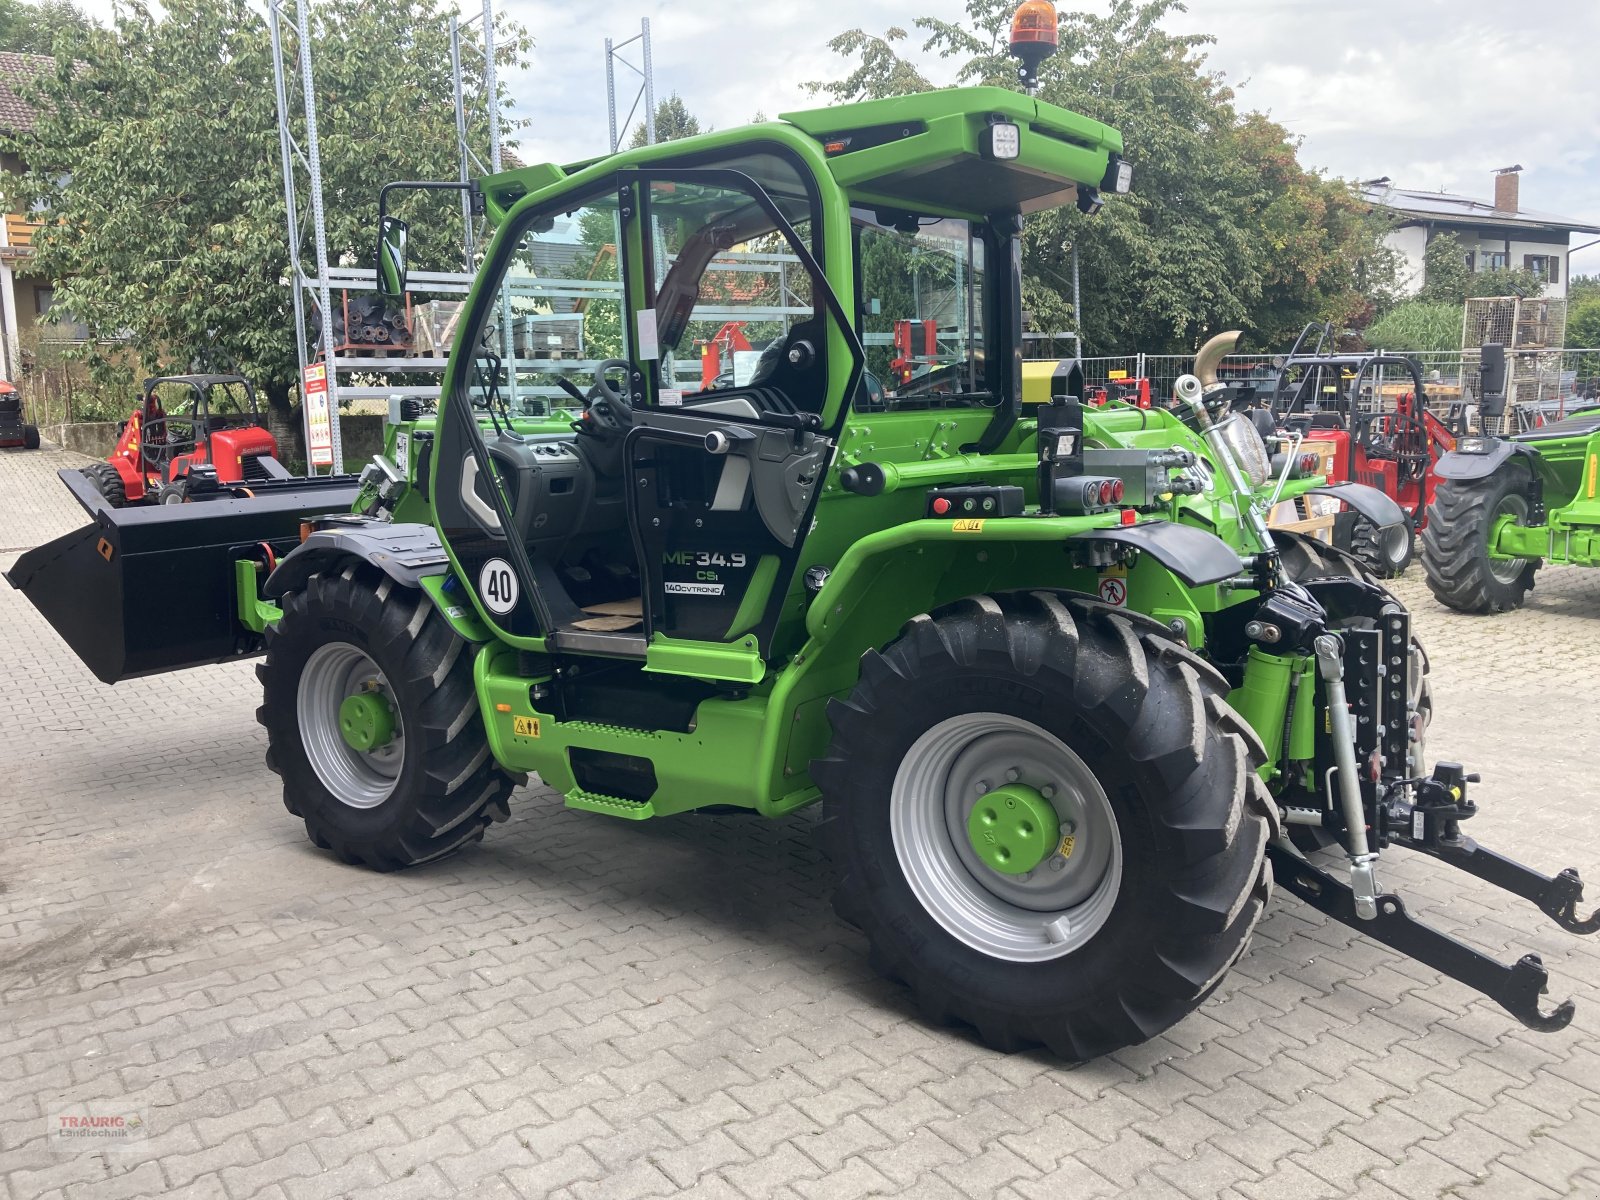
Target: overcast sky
{"points": [[1433, 93]]}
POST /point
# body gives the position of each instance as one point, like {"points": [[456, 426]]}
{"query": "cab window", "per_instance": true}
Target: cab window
{"points": [[730, 298], [924, 306]]}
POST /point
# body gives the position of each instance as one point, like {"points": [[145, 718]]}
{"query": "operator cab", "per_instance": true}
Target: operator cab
{"points": [[674, 498]]}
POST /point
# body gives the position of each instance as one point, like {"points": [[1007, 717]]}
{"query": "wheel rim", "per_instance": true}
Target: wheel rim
{"points": [[1512, 510], [1042, 914], [333, 675], [1394, 543]]}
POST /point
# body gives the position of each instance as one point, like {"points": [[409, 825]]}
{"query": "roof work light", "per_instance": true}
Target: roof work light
{"points": [[1033, 38]]}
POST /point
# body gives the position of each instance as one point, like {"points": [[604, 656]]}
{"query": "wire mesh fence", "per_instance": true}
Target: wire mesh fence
{"points": [[1541, 385]]}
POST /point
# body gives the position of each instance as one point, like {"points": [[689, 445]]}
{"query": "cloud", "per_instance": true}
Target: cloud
{"points": [[1433, 93]]}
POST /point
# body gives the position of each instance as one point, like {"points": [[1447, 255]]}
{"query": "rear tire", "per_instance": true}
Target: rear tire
{"points": [[1385, 553], [1455, 544], [108, 483], [1133, 736], [30, 437], [429, 790]]}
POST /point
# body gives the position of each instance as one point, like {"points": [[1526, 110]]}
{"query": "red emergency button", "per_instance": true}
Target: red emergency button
{"points": [[1130, 516], [940, 506]]}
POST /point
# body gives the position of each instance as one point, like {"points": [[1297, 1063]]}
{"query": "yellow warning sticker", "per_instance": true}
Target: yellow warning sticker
{"points": [[1068, 843], [525, 726], [967, 526]]}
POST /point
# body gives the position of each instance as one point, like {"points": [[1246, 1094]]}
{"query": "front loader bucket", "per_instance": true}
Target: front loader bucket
{"points": [[144, 590]]}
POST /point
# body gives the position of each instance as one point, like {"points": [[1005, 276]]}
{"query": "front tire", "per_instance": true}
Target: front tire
{"points": [[1386, 553], [108, 482], [372, 721], [1455, 544], [1128, 738]]}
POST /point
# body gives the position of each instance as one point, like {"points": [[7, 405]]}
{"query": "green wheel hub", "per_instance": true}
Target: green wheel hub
{"points": [[366, 722], [1013, 829]]}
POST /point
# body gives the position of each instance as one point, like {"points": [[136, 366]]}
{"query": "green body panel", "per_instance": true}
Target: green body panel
{"points": [[1569, 469], [764, 720]]}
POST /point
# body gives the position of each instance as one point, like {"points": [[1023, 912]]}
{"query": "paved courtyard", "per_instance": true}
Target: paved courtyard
{"points": [[589, 1007]]}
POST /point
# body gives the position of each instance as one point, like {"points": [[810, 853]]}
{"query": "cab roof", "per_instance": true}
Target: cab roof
{"points": [[923, 152]]}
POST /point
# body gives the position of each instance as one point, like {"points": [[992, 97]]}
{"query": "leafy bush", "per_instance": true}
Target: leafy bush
{"points": [[1417, 325]]}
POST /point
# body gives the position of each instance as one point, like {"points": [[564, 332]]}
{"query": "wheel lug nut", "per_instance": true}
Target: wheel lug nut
{"points": [[982, 787], [1012, 775], [1048, 790], [1025, 876], [1058, 863]]}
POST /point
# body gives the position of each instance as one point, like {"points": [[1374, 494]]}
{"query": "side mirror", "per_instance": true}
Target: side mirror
{"points": [[392, 233]]}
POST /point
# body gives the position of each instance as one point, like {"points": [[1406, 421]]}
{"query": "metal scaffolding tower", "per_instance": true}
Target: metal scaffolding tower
{"points": [[647, 86], [292, 68]]}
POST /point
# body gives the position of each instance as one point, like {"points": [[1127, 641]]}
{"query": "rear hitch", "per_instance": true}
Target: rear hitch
{"points": [[1431, 825], [1516, 988]]}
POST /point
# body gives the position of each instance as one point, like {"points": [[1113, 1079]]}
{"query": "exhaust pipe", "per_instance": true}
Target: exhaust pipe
{"points": [[1205, 362]]}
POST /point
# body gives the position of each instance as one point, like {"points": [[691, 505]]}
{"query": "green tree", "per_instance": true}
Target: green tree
{"points": [[156, 162], [1583, 322], [44, 27], [1581, 287], [1223, 227], [1445, 275], [673, 121]]}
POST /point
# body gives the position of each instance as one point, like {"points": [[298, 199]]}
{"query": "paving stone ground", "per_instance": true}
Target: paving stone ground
{"points": [[585, 1007]]}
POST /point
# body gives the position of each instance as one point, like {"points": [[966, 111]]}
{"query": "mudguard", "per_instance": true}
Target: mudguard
{"points": [[1193, 555], [1480, 464], [405, 553], [1368, 501]]}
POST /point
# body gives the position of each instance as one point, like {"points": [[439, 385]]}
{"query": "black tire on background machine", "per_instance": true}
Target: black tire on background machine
{"points": [[449, 788], [1455, 544], [107, 482], [1378, 552], [1177, 765]]}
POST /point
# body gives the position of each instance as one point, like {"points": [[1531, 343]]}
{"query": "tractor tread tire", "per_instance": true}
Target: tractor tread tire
{"points": [[1455, 552], [1178, 762], [108, 482], [449, 793], [1364, 546]]}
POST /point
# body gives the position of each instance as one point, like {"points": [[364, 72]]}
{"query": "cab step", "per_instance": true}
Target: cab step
{"points": [[611, 806]]}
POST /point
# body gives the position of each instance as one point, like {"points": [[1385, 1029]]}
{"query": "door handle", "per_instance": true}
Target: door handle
{"points": [[481, 511]]}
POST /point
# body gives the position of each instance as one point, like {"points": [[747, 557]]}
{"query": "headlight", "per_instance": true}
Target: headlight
{"points": [[1249, 451], [1475, 445], [1002, 140]]}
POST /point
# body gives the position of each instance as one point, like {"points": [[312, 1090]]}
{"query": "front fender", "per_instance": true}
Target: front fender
{"points": [[1461, 464], [1372, 504], [1194, 555], [405, 553]]}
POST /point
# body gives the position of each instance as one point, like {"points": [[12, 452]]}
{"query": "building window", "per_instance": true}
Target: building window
{"points": [[1545, 267], [1493, 260]]}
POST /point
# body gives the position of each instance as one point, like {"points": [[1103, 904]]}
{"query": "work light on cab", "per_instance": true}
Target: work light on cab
{"points": [[1033, 38]]}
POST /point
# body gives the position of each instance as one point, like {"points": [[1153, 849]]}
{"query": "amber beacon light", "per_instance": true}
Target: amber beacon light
{"points": [[1033, 38]]}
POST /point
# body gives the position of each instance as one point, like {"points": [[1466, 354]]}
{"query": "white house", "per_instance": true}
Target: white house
{"points": [[1495, 234]]}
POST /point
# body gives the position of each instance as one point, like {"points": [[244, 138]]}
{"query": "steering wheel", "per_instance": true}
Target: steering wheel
{"points": [[607, 411]]}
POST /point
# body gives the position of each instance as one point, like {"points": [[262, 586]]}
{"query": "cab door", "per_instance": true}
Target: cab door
{"points": [[723, 479]]}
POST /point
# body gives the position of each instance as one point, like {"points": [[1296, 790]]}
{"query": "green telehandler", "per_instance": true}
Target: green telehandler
{"points": [[1069, 706], [1505, 506]]}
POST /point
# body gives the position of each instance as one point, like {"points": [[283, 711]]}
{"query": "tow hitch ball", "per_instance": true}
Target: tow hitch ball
{"points": [[1431, 824]]}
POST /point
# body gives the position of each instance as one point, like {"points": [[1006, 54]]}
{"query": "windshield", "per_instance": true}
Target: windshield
{"points": [[922, 308]]}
